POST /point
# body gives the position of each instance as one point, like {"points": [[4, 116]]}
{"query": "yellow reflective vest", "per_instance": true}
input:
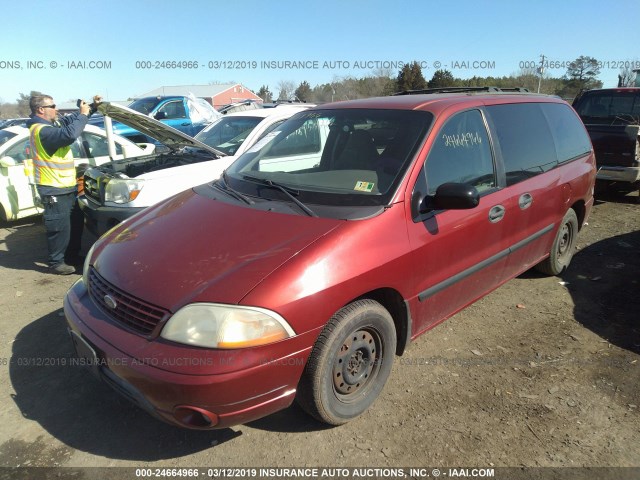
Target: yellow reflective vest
{"points": [[57, 170]]}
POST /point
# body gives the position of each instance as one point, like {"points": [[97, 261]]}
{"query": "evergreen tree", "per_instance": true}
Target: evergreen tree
{"points": [[582, 72], [442, 78], [265, 94], [410, 78], [303, 92]]}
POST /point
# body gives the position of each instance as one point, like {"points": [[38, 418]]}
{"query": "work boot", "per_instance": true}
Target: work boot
{"points": [[62, 269], [75, 260]]}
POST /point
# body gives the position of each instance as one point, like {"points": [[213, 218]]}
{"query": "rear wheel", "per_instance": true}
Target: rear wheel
{"points": [[563, 247], [349, 364]]}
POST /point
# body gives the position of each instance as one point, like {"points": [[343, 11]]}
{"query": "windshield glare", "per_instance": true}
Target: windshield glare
{"points": [[228, 133], [337, 157]]}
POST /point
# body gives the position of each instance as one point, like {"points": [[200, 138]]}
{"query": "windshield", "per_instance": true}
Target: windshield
{"points": [[5, 136], [145, 105], [345, 157], [624, 105], [228, 133]]}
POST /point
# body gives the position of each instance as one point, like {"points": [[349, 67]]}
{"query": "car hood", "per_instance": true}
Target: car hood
{"points": [[193, 248], [172, 138]]}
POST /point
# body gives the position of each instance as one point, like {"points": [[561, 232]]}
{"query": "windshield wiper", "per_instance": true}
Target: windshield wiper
{"points": [[289, 192], [224, 187]]}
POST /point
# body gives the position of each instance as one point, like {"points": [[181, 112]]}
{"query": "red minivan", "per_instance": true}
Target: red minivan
{"points": [[326, 248]]}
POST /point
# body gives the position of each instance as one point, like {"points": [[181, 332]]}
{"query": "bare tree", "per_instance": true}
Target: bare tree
{"points": [[287, 89], [626, 77]]}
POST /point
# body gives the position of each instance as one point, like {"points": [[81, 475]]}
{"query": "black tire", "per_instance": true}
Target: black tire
{"points": [[3, 217], [564, 246], [349, 364]]}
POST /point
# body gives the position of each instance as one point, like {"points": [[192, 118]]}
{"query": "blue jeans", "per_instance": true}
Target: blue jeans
{"points": [[57, 223]]}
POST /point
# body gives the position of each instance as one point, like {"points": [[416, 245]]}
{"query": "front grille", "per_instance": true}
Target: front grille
{"points": [[131, 312], [91, 187]]}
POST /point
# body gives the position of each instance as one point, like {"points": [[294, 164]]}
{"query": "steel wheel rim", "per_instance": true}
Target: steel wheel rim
{"points": [[357, 364], [566, 241]]}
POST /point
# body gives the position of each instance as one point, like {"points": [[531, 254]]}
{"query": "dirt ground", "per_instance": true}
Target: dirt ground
{"points": [[542, 372]]}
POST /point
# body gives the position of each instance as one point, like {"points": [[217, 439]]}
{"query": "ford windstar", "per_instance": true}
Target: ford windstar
{"points": [[326, 248]]}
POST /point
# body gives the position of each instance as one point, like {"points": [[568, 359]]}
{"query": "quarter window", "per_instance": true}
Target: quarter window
{"points": [[461, 153], [570, 137], [525, 140]]}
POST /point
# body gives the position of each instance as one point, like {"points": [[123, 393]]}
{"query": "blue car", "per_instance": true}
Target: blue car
{"points": [[185, 113]]}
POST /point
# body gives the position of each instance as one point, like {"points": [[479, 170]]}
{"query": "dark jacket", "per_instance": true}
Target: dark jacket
{"points": [[70, 127]]}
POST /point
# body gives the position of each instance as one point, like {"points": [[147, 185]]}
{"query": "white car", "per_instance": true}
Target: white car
{"points": [[16, 190], [116, 191]]}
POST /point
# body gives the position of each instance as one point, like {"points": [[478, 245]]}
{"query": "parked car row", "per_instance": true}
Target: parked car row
{"points": [[16, 192], [187, 114], [175, 161], [117, 190], [332, 241], [10, 122]]}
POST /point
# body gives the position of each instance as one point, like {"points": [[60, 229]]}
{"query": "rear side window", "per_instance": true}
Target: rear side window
{"points": [[607, 104], [570, 137], [525, 140]]}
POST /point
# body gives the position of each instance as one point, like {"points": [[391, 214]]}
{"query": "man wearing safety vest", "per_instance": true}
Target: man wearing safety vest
{"points": [[54, 171]]}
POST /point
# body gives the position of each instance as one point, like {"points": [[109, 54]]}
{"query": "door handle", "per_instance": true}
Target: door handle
{"points": [[525, 201], [496, 213]]}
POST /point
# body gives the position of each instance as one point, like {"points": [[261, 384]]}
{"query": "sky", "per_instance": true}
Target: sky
{"points": [[121, 49]]}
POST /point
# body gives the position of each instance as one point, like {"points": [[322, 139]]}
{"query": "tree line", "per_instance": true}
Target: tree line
{"points": [[581, 74]]}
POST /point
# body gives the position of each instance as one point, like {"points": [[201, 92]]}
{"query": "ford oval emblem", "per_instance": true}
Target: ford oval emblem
{"points": [[110, 302]]}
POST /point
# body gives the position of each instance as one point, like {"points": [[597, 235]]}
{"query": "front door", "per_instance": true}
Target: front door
{"points": [[459, 255]]}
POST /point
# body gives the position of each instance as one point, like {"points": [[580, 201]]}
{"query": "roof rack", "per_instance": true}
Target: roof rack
{"points": [[463, 90]]}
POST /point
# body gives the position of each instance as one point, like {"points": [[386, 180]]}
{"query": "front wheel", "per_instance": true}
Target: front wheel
{"points": [[563, 247], [349, 364]]}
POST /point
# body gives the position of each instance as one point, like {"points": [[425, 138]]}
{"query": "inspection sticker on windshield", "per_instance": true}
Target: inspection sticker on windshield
{"points": [[364, 186]]}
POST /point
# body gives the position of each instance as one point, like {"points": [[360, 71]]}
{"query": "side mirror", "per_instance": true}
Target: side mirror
{"points": [[160, 115], [451, 196], [8, 162]]}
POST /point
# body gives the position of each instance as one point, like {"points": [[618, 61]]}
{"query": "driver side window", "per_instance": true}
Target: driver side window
{"points": [[461, 153], [173, 110]]}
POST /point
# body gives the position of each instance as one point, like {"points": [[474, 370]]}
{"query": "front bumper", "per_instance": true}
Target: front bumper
{"points": [[99, 219], [193, 390], [619, 174]]}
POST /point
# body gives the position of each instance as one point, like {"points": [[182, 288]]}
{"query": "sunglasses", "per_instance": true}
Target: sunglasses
{"points": [[49, 106]]}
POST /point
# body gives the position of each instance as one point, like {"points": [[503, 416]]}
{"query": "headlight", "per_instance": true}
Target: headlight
{"points": [[122, 190], [225, 326]]}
